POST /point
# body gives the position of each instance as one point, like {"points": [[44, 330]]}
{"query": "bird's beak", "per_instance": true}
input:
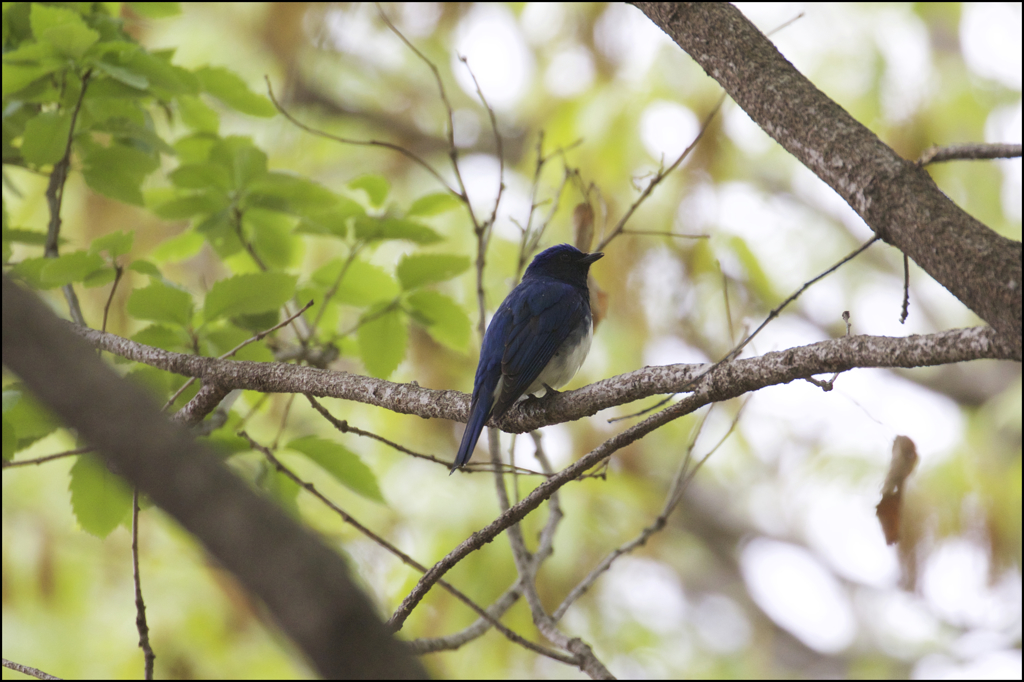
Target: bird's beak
{"points": [[591, 257]]}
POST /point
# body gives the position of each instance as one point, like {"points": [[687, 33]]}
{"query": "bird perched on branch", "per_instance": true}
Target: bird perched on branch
{"points": [[538, 338]]}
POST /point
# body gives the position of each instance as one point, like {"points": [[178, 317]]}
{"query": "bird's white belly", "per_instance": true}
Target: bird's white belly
{"points": [[567, 361]]}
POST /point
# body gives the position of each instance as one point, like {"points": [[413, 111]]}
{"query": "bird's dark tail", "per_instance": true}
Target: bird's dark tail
{"points": [[478, 415]]}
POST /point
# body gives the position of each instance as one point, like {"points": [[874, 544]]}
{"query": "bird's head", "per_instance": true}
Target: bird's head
{"points": [[563, 262]]}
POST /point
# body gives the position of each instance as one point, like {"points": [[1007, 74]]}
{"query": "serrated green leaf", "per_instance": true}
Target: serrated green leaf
{"points": [[292, 193], [46, 137], [62, 28], [332, 220], [271, 237], [243, 161], [31, 271], [71, 267], [362, 284], [196, 114], [144, 267], [420, 269], [227, 336], [434, 204], [134, 135], [17, 77], [444, 319], [114, 244], [31, 419], [159, 336], [382, 340], [191, 205], [341, 463], [375, 186], [161, 303], [178, 248], [201, 176], [229, 88], [118, 171], [99, 499], [123, 75], [99, 278], [375, 229], [248, 294]]}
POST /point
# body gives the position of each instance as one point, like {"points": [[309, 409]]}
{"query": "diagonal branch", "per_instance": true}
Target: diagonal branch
{"points": [[895, 197]]}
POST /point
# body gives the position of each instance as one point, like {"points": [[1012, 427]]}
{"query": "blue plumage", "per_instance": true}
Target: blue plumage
{"points": [[538, 338]]}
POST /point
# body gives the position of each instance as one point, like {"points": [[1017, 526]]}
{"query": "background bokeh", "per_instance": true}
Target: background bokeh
{"points": [[774, 565]]}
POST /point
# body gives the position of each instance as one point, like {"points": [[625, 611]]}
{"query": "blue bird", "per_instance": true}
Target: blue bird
{"points": [[538, 338]]}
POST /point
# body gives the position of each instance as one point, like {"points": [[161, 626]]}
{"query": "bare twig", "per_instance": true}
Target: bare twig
{"points": [[29, 670], [55, 197], [47, 458], [405, 558], [140, 604], [969, 151], [252, 339]]}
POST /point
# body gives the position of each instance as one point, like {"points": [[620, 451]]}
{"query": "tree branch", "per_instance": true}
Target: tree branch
{"points": [[894, 196]]}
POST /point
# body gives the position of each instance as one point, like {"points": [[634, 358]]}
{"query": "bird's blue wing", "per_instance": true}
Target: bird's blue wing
{"points": [[540, 317]]}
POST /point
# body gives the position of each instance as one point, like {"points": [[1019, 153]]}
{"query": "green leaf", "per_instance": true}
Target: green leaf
{"points": [[10, 434], [144, 267], [248, 294], [429, 268], [374, 229], [196, 114], [123, 75], [62, 28], [382, 340], [31, 271], [178, 248], [99, 499], [31, 419], [341, 463], [71, 267], [228, 336], [444, 319], [332, 220], [118, 171], [161, 303], [229, 88], [17, 77], [293, 193], [114, 244], [156, 10], [271, 236], [25, 237], [169, 338], [362, 284], [191, 205], [201, 176], [241, 159], [46, 137], [375, 186], [434, 204]]}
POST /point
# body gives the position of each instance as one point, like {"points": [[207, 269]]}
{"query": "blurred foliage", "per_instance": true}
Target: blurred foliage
{"points": [[217, 218]]}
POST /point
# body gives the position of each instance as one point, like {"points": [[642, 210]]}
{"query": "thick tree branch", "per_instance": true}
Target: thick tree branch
{"points": [[304, 584], [895, 197], [780, 367]]}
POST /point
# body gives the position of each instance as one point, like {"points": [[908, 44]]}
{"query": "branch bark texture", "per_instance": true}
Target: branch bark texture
{"points": [[895, 197]]}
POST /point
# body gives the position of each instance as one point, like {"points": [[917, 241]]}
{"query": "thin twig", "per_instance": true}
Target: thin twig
{"points": [[405, 558], [55, 197], [252, 339], [140, 604], [47, 458], [969, 151]]}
